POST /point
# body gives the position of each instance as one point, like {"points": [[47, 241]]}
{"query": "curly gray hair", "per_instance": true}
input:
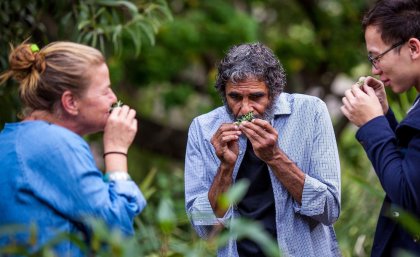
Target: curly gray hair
{"points": [[251, 61]]}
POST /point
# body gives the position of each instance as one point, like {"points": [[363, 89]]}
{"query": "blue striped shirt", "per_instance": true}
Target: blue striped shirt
{"points": [[307, 137]]}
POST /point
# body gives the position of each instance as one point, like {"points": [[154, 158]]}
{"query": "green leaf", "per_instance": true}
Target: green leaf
{"points": [[407, 220], [234, 194], [130, 6], [243, 228], [166, 216], [83, 24], [147, 31], [135, 38]]}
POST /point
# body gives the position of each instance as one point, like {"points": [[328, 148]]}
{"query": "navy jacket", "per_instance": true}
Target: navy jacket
{"points": [[394, 150]]}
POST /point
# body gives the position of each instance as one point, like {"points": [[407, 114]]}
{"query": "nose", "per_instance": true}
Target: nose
{"points": [[245, 107], [113, 96]]}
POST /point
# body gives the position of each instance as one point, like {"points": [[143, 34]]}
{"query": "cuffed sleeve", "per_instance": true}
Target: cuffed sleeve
{"points": [[321, 191]]}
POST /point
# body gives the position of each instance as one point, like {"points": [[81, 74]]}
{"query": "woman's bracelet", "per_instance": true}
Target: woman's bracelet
{"points": [[114, 152]]}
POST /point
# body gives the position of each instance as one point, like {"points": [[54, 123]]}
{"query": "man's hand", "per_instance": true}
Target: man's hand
{"points": [[225, 143], [379, 89], [263, 138], [361, 106]]}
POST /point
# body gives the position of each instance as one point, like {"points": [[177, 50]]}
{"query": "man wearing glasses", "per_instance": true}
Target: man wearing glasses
{"points": [[392, 35]]}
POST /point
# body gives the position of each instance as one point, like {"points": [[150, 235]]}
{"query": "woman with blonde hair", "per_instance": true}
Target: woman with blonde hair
{"points": [[48, 175]]}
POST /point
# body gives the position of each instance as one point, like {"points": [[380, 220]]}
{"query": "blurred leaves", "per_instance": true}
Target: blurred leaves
{"points": [[234, 194], [166, 216], [109, 21], [243, 228]]}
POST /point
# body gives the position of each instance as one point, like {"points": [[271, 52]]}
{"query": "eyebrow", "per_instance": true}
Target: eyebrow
{"points": [[258, 94], [234, 94]]}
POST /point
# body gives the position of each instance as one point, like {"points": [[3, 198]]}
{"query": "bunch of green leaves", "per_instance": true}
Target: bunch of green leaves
{"points": [[246, 117]]}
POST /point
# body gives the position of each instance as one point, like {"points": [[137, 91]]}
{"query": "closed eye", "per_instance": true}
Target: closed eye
{"points": [[235, 96], [256, 96]]}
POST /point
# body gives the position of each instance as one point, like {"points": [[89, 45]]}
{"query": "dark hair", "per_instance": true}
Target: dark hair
{"points": [[251, 61], [397, 20]]}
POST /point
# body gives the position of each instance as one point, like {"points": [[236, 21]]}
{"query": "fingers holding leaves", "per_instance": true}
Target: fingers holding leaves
{"points": [[263, 137], [225, 142], [121, 128]]}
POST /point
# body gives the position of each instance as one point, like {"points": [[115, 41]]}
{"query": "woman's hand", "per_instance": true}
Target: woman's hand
{"points": [[120, 129]]}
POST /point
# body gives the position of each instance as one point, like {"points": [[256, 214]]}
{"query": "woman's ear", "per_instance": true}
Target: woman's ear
{"points": [[70, 103]]}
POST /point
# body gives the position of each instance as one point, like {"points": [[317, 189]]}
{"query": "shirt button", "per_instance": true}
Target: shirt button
{"points": [[396, 214], [416, 238]]}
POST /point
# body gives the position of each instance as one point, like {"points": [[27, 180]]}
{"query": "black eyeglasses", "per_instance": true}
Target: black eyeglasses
{"points": [[374, 60]]}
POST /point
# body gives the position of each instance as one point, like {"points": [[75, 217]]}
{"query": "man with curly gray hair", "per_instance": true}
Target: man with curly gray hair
{"points": [[282, 144]]}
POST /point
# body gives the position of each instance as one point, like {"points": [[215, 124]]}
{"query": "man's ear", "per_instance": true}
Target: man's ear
{"points": [[70, 103], [414, 45]]}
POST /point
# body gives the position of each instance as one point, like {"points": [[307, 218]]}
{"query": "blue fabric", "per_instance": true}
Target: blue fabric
{"points": [[394, 150], [48, 178], [306, 135]]}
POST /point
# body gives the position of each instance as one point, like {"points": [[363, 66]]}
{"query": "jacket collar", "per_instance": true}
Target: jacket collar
{"points": [[413, 115]]}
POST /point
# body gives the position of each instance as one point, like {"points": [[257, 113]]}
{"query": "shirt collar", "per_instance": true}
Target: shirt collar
{"points": [[283, 105]]}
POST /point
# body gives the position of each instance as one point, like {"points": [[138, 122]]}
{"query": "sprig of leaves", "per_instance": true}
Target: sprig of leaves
{"points": [[246, 117], [361, 82], [115, 105]]}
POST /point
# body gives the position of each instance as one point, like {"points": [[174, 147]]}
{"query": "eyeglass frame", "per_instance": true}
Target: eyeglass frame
{"points": [[374, 60]]}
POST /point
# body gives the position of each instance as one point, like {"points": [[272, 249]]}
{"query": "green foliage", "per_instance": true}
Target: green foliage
{"points": [[104, 21], [100, 23], [401, 103], [149, 239]]}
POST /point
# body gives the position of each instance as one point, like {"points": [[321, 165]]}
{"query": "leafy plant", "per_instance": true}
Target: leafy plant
{"points": [[246, 117], [109, 21]]}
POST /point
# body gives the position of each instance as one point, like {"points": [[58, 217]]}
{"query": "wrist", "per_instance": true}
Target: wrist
{"points": [[278, 157], [226, 167], [114, 153]]}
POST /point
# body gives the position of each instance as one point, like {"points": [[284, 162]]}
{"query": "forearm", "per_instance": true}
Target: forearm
{"points": [[289, 175], [221, 184]]}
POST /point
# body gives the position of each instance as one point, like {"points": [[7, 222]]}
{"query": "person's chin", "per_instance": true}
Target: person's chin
{"points": [[397, 89]]}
